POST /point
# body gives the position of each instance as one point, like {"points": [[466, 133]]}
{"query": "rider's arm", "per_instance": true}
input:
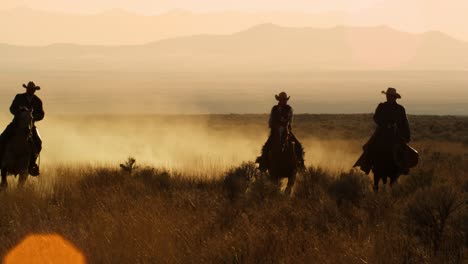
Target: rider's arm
{"points": [[14, 108]]}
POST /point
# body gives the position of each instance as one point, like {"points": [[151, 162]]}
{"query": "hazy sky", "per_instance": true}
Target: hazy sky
{"points": [[430, 7], [414, 15], [155, 6], [404, 15]]}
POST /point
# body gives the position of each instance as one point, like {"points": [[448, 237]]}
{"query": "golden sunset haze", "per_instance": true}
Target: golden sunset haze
{"points": [[137, 22], [233, 56]]}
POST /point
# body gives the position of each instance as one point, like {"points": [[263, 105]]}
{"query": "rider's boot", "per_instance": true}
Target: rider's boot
{"points": [[33, 167]]}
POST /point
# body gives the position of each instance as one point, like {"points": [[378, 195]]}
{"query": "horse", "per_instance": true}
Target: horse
{"points": [[282, 158], [384, 166], [387, 158], [18, 149]]}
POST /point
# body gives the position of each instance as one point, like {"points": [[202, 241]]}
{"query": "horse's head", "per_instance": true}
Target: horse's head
{"points": [[24, 119]]}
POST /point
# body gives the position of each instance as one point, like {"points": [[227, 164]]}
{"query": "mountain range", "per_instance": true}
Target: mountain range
{"points": [[30, 27], [262, 47]]}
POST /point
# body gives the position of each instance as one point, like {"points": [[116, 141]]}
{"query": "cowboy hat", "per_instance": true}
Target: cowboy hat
{"points": [[282, 95], [31, 85], [392, 92]]}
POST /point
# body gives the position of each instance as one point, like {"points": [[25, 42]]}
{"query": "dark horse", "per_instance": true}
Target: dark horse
{"points": [[282, 158], [388, 159], [18, 149]]}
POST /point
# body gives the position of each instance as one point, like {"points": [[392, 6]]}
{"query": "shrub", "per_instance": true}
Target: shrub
{"points": [[431, 215], [237, 179], [312, 184], [421, 178], [129, 165], [154, 178], [350, 187], [393, 246], [261, 188]]}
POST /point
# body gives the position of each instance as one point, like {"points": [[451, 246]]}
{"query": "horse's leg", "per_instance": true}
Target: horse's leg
{"points": [[22, 178], [376, 182], [4, 183], [275, 179], [291, 181]]}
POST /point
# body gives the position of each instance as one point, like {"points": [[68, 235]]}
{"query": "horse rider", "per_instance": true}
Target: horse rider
{"points": [[30, 101], [391, 133], [281, 117]]}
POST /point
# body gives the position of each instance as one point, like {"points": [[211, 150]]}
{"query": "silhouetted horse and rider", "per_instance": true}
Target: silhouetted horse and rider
{"points": [[387, 152], [282, 155], [20, 143]]}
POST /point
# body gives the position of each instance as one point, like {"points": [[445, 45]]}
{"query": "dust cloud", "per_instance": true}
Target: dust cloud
{"points": [[195, 145]]}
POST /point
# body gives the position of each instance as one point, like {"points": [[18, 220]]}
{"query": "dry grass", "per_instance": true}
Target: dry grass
{"points": [[154, 215]]}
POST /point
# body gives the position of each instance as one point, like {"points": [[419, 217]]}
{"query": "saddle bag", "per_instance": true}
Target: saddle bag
{"points": [[405, 157]]}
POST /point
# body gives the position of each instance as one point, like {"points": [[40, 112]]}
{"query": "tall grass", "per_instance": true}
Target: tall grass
{"points": [[154, 215]]}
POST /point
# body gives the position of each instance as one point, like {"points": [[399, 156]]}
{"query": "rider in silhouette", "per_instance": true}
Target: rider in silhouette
{"points": [[392, 133], [30, 101], [281, 119]]}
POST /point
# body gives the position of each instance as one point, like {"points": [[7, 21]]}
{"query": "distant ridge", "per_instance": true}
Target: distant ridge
{"points": [[265, 46]]}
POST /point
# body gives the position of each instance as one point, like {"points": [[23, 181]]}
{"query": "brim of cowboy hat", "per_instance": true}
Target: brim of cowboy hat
{"points": [[37, 87], [278, 98], [397, 95]]}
